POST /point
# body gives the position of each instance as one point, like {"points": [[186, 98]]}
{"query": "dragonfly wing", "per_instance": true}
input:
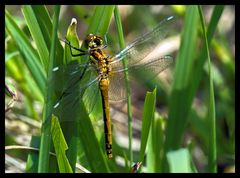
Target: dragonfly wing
{"points": [[117, 87], [67, 76], [74, 92], [142, 46], [150, 69], [91, 97]]}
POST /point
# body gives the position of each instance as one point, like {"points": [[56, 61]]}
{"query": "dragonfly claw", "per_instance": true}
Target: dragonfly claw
{"points": [[66, 41]]}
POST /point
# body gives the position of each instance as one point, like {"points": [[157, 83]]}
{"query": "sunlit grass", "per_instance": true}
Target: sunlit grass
{"points": [[28, 62]]}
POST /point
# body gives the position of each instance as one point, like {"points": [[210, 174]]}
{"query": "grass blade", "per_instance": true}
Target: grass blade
{"points": [[122, 46], [155, 145], [33, 158], [198, 72], [37, 35], [70, 129], [185, 81], [179, 161], [45, 24], [49, 102], [217, 12], [178, 112], [101, 20], [148, 115], [60, 146], [29, 54], [212, 157]]}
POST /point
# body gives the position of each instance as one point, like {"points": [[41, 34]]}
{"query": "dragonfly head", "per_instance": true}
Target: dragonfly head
{"points": [[93, 41]]}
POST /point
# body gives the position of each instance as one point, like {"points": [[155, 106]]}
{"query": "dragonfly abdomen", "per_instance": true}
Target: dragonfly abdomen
{"points": [[104, 87]]}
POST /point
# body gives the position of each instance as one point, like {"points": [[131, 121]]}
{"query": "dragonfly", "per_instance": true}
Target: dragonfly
{"points": [[104, 76]]}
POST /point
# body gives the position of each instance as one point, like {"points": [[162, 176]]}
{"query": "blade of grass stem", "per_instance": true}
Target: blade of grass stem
{"points": [[148, 115], [46, 128], [36, 34], [217, 12], [30, 56], [179, 103], [155, 145], [212, 157], [45, 23], [101, 20], [60, 146], [122, 45]]}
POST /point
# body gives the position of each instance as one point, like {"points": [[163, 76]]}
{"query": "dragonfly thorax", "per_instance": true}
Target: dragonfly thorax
{"points": [[101, 62]]}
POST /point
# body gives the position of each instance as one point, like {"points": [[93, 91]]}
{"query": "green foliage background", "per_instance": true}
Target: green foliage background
{"points": [[194, 117]]}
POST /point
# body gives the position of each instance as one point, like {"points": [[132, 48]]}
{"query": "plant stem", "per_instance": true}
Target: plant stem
{"points": [[122, 45], [46, 130], [212, 157]]}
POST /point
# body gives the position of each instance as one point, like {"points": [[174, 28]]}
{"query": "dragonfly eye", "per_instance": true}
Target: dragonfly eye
{"points": [[93, 41], [98, 41]]}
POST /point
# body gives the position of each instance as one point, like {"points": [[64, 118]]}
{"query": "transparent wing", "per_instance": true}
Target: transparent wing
{"points": [[150, 69], [117, 87], [80, 84], [66, 77], [142, 46]]}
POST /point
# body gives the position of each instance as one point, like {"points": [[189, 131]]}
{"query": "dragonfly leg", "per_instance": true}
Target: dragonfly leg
{"points": [[82, 52]]}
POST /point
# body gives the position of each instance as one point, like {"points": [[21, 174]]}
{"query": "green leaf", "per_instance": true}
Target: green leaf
{"points": [[45, 24], [212, 158], [179, 161], [71, 128], [126, 77], [49, 99], [15, 67], [32, 160], [73, 38], [217, 12], [201, 59], [29, 54], [33, 157], [101, 20], [186, 81], [37, 34], [60, 146], [155, 145], [148, 115], [11, 55], [179, 102]]}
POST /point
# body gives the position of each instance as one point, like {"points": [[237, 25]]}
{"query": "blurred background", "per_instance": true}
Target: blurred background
{"points": [[23, 106]]}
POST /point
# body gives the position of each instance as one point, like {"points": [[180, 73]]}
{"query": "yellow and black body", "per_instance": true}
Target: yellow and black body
{"points": [[101, 62]]}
